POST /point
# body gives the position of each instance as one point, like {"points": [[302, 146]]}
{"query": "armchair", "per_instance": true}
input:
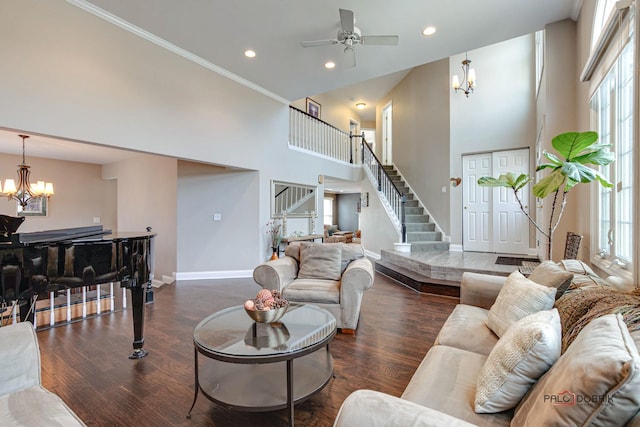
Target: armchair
{"points": [[23, 400], [333, 276]]}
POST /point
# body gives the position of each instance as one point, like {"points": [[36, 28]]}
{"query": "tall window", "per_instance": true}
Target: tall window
{"points": [[603, 11], [612, 112], [328, 211], [539, 57]]}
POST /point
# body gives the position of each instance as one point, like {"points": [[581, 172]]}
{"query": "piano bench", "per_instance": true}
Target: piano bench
{"points": [[23, 400]]}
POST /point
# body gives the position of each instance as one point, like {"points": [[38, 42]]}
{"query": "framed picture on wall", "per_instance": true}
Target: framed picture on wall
{"points": [[364, 199], [313, 108], [35, 207]]}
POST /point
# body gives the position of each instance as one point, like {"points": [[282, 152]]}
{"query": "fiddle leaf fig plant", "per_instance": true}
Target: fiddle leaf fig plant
{"points": [[577, 151]]}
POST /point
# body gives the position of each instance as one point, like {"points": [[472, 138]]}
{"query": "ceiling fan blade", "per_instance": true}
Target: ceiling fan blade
{"points": [[350, 58], [380, 40], [346, 20], [318, 43]]}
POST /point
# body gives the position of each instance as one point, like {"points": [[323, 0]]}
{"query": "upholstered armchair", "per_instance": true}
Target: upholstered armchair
{"points": [[23, 399], [333, 276]]}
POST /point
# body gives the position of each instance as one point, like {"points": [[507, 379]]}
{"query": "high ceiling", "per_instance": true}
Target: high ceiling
{"points": [[220, 31]]}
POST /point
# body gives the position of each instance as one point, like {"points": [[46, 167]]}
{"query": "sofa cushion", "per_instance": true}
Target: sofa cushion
{"points": [[446, 381], [595, 382], [350, 252], [523, 354], [313, 290], [466, 329], [518, 298], [35, 406], [549, 273], [320, 261]]}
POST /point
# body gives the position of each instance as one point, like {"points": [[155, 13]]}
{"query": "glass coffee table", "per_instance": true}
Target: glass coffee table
{"points": [[250, 366]]}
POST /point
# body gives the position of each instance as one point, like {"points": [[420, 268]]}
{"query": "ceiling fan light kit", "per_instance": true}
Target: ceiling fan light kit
{"points": [[350, 36]]}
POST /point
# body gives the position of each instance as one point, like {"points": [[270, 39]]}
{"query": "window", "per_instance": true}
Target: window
{"points": [[328, 211], [539, 57], [603, 11], [612, 116]]}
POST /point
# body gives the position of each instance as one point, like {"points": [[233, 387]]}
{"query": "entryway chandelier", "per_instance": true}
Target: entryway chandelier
{"points": [[469, 78], [25, 191]]}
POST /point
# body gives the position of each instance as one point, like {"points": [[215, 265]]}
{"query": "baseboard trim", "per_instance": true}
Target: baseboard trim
{"points": [[455, 248], [370, 254], [201, 275]]}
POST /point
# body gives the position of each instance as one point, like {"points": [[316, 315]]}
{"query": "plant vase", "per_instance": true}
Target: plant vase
{"points": [[275, 253]]}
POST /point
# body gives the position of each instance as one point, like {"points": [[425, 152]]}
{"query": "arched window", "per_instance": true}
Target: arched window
{"points": [[603, 10]]}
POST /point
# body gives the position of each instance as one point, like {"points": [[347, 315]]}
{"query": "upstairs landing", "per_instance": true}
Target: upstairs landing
{"points": [[438, 272]]}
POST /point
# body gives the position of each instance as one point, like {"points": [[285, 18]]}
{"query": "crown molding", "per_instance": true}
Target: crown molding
{"points": [[575, 9], [115, 20]]}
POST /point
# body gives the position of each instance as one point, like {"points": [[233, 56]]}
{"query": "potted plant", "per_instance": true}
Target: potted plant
{"points": [[576, 151]]}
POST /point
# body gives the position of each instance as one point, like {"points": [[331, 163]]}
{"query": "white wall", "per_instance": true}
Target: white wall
{"points": [[147, 198], [499, 115], [208, 245], [73, 75], [378, 232]]}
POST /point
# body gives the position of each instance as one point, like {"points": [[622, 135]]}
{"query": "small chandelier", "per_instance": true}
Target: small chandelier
{"points": [[25, 191], [469, 78]]}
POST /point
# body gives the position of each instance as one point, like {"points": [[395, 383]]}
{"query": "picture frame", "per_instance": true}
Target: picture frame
{"points": [[364, 199], [313, 108], [37, 206]]}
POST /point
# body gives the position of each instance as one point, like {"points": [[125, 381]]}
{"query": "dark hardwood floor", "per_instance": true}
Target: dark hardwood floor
{"points": [[86, 362]]}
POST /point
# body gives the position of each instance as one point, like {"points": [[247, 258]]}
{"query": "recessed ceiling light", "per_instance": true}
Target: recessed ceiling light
{"points": [[330, 65], [249, 53], [360, 105], [429, 31]]}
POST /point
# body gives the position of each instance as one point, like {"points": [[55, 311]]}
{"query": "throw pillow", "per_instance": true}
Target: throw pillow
{"points": [[549, 273], [521, 356], [595, 382], [518, 298], [320, 261]]}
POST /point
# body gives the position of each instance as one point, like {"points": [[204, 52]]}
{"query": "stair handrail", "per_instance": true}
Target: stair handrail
{"points": [[395, 198]]}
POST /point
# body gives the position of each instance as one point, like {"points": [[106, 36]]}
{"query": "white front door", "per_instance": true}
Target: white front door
{"points": [[492, 219], [510, 225], [476, 225], [386, 135]]}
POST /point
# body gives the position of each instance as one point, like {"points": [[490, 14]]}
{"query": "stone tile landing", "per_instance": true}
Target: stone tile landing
{"points": [[438, 272]]}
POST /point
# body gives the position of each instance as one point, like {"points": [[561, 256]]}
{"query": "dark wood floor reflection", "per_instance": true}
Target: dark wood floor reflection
{"points": [[86, 363]]}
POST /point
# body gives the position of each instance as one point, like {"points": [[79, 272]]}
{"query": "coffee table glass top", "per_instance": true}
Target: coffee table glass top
{"points": [[231, 332]]}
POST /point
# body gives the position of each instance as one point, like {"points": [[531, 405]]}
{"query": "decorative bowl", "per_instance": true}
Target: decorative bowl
{"points": [[267, 316]]}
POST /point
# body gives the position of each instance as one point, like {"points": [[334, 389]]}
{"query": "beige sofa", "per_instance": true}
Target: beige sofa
{"points": [[333, 276], [23, 400], [443, 389]]}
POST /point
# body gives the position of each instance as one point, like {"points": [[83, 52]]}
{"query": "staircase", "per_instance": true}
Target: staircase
{"points": [[421, 232], [426, 242]]}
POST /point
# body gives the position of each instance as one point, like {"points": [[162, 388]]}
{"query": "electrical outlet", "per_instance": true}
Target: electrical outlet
{"points": [[217, 217]]}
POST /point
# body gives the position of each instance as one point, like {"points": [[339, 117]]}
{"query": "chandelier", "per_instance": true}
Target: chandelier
{"points": [[25, 191], [469, 77]]}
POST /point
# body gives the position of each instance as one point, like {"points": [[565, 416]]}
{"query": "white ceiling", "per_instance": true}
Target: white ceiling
{"points": [[219, 31]]}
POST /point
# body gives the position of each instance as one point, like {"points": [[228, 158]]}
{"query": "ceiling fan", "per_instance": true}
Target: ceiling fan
{"points": [[350, 36]]}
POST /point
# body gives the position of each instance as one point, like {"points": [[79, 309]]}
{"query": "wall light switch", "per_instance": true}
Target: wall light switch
{"points": [[217, 217], [96, 220], [444, 188]]}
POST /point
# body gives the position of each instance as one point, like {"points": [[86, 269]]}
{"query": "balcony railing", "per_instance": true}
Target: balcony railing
{"points": [[312, 134]]}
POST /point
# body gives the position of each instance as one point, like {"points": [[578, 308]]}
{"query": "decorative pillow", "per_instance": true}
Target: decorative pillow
{"points": [[595, 382], [549, 273], [519, 297], [523, 354], [320, 261]]}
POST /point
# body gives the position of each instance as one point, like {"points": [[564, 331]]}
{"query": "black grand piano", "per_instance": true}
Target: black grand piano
{"points": [[38, 263]]}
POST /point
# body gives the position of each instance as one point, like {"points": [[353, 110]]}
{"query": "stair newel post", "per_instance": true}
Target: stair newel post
{"points": [[403, 225], [350, 147]]}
